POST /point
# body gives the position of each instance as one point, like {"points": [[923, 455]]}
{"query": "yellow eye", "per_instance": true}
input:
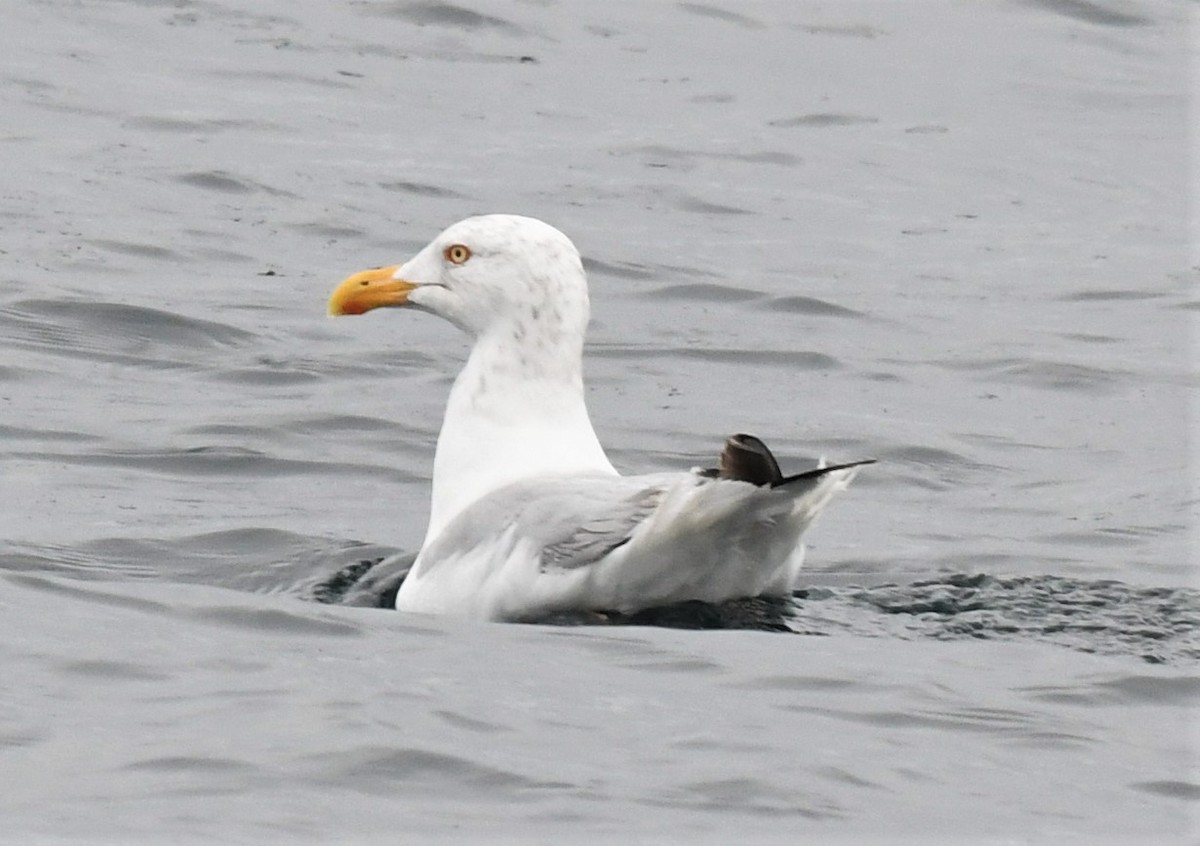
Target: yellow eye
{"points": [[457, 253]]}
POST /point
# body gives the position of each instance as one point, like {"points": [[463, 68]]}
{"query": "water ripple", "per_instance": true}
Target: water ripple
{"points": [[1051, 375], [1089, 12], [443, 14], [793, 359], [381, 770], [808, 305], [217, 461], [114, 332], [703, 292]]}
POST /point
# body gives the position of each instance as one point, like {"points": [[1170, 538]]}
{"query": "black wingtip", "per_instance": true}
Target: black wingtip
{"points": [[818, 472], [745, 458]]}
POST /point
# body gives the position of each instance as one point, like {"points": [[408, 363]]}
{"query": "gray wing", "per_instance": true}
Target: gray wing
{"points": [[574, 521], [606, 529]]}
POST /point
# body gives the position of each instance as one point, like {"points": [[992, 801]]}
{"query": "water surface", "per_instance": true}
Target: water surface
{"points": [[947, 235]]}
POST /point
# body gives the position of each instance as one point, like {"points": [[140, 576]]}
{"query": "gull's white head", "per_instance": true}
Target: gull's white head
{"points": [[496, 272]]}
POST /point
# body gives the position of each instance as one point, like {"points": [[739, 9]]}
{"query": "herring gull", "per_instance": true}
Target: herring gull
{"points": [[528, 516]]}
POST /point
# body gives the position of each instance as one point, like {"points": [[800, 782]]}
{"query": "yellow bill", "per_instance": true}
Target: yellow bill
{"points": [[367, 290]]}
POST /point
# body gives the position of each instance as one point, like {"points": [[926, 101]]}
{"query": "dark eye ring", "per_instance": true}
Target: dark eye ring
{"points": [[457, 253]]}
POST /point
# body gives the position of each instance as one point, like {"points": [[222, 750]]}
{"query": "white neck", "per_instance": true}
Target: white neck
{"points": [[512, 416]]}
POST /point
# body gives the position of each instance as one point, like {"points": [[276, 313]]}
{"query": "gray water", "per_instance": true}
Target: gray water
{"points": [[952, 236]]}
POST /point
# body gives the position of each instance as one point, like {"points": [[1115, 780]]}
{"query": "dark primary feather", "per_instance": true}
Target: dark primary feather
{"points": [[745, 458], [818, 472]]}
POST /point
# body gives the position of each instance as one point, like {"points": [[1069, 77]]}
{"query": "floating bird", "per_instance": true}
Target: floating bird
{"points": [[528, 516]]}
